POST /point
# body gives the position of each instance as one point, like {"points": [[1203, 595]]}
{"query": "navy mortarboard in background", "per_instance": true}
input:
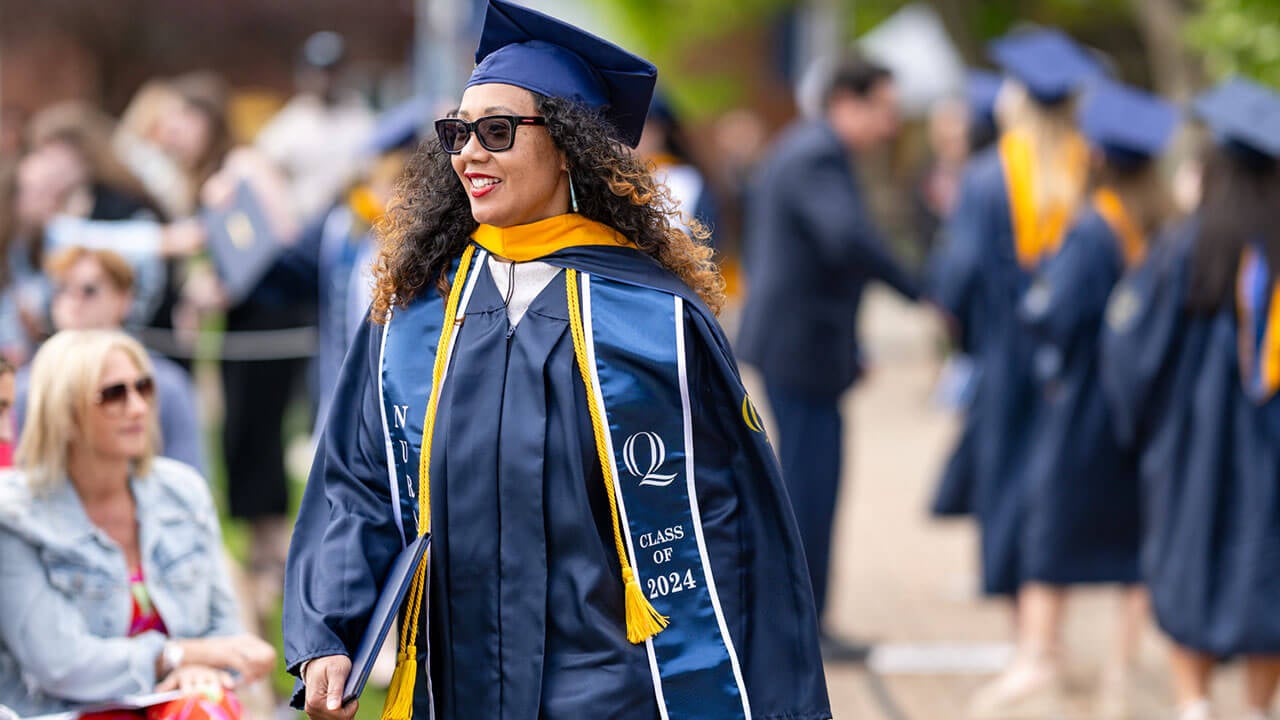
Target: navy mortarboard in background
{"points": [[241, 243], [324, 50], [539, 53], [1244, 116], [400, 127], [982, 87], [1127, 124], [1049, 64]]}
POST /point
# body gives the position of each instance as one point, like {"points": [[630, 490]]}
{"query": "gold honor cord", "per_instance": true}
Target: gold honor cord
{"points": [[643, 621], [1037, 231], [399, 705], [1133, 242]]}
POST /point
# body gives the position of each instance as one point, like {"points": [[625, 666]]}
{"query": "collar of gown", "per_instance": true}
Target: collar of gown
{"points": [[535, 240]]}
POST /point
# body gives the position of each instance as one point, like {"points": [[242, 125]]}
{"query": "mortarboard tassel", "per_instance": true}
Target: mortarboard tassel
{"points": [[642, 619], [399, 705]]}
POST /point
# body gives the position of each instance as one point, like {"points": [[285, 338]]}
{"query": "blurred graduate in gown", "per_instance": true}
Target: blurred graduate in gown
{"points": [[961, 374], [1015, 202], [1081, 521], [544, 389], [1191, 367]]}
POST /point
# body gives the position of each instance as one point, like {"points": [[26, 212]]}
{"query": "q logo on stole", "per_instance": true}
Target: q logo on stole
{"points": [[633, 455]]}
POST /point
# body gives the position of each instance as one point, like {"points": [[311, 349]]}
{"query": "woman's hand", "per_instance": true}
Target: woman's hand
{"points": [[203, 291], [191, 679], [259, 657], [245, 655], [182, 239], [324, 679]]}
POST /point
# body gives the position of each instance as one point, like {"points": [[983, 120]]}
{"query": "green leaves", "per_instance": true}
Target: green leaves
{"points": [[684, 34], [1238, 37]]}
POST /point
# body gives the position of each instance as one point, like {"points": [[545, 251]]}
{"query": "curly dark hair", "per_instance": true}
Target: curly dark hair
{"points": [[429, 222]]}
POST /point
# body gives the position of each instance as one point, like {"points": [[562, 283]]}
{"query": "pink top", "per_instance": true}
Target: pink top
{"points": [[145, 616]]}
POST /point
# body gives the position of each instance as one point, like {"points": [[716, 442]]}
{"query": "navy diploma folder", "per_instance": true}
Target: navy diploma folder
{"points": [[241, 243], [384, 615]]}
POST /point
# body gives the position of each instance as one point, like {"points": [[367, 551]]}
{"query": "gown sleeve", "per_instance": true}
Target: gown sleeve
{"points": [[751, 537], [347, 535]]}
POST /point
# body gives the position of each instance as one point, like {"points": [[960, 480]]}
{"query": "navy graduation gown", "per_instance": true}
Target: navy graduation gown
{"points": [[983, 272], [526, 605], [1082, 521], [1210, 460], [954, 287]]}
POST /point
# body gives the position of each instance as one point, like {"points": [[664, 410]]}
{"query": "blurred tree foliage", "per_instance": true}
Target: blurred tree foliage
{"points": [[669, 31], [672, 32], [1238, 36]]}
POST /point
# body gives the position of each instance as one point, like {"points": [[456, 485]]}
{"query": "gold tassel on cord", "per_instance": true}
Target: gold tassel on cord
{"points": [[643, 620], [399, 705]]}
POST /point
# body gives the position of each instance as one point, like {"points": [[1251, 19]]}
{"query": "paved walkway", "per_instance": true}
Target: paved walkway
{"points": [[903, 578]]}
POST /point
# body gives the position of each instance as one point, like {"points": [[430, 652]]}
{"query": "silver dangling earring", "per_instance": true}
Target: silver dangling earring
{"points": [[573, 196]]}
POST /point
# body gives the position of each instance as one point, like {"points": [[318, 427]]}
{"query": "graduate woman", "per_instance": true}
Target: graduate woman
{"points": [[545, 390], [1191, 367], [1081, 522], [1015, 202]]}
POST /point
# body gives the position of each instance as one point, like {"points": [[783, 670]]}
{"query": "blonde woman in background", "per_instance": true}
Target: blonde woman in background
{"points": [[1016, 201], [134, 142], [113, 581]]}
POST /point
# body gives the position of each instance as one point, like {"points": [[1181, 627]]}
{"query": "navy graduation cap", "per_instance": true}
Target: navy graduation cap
{"points": [[1243, 115], [981, 89], [539, 53], [1051, 65], [399, 127], [1129, 125]]}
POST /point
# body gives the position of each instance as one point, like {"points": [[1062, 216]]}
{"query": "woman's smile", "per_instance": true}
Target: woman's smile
{"points": [[481, 184]]}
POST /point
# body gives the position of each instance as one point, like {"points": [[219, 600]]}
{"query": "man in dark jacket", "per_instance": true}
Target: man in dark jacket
{"points": [[812, 246]]}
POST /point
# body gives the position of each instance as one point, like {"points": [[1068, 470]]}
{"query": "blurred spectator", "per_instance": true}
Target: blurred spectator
{"points": [[13, 123], [938, 185], [59, 203], [7, 430], [738, 139], [93, 290], [114, 581], [665, 145], [812, 248], [331, 263], [318, 136], [117, 194], [267, 334], [136, 142]]}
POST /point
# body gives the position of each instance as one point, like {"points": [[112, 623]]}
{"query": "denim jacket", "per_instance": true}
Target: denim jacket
{"points": [[65, 604]]}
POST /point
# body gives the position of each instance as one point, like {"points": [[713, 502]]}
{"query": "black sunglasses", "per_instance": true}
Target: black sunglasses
{"points": [[118, 394], [496, 133]]}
